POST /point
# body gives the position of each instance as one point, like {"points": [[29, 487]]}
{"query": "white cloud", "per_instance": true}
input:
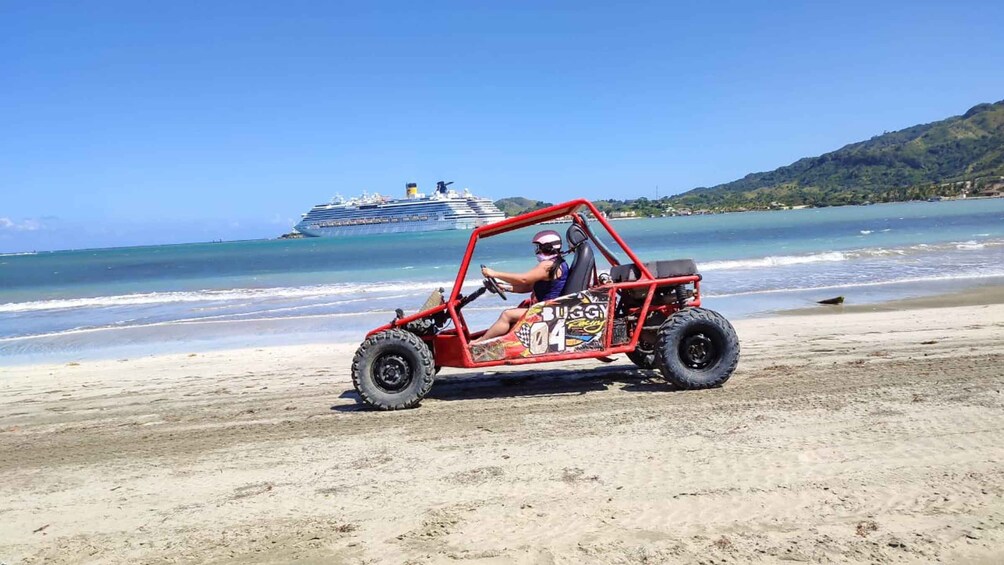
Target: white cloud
{"points": [[27, 225]]}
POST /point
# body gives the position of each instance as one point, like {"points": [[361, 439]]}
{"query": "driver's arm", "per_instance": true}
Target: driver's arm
{"points": [[522, 282], [520, 288]]}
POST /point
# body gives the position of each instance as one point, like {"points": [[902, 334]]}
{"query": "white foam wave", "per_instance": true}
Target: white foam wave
{"points": [[183, 322], [865, 232], [833, 256], [254, 294], [773, 261]]}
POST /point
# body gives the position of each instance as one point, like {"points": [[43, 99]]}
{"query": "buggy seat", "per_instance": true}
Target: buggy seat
{"points": [[582, 271]]}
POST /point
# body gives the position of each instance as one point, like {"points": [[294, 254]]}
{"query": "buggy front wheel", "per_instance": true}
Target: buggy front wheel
{"points": [[393, 370]]}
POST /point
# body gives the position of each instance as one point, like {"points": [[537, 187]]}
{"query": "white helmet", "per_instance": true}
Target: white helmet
{"points": [[547, 244]]}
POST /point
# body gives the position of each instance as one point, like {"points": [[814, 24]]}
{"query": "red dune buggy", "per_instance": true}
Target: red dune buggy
{"points": [[650, 311]]}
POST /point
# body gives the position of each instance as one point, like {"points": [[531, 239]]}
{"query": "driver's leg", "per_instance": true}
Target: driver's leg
{"points": [[503, 324]]}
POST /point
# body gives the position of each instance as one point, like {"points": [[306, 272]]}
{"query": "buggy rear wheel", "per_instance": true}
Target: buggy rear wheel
{"points": [[697, 348], [393, 370]]}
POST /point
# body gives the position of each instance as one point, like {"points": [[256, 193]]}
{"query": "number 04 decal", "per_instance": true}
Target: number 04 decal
{"points": [[544, 339], [558, 336]]}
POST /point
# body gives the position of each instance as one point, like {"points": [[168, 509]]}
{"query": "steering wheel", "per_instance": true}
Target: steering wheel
{"points": [[493, 286]]}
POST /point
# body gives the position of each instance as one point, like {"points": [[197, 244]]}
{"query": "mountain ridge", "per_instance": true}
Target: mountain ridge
{"points": [[884, 168], [946, 158]]}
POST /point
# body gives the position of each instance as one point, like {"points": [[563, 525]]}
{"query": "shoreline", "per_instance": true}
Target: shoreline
{"points": [[973, 292], [985, 294]]}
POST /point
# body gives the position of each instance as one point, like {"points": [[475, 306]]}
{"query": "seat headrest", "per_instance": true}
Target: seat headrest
{"points": [[575, 236]]}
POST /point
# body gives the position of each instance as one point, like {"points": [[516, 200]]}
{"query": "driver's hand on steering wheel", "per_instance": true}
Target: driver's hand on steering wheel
{"points": [[485, 271], [505, 286]]}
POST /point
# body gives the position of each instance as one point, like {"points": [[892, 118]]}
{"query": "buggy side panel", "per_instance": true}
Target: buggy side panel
{"points": [[574, 323]]}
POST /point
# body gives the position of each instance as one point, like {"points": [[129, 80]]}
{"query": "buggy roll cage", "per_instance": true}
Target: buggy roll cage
{"points": [[452, 346], [572, 209]]}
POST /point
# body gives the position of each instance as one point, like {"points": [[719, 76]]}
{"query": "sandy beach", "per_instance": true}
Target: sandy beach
{"points": [[847, 435]]}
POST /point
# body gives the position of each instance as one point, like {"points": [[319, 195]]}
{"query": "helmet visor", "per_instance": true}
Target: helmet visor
{"points": [[546, 248]]}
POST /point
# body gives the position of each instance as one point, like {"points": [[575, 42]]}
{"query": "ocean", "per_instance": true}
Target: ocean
{"points": [[121, 302]]}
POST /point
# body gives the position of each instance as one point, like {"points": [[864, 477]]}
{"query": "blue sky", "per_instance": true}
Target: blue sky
{"points": [[146, 122]]}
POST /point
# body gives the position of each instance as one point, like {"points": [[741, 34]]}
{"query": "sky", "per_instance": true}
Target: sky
{"points": [[125, 123]]}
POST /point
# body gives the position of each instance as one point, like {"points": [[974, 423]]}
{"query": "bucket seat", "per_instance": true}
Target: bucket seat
{"points": [[582, 271]]}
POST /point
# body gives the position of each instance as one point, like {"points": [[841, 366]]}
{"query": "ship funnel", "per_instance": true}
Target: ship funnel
{"points": [[411, 190], [441, 186]]}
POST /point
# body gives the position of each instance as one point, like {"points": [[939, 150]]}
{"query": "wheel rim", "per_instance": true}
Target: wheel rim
{"points": [[698, 351], [392, 373]]}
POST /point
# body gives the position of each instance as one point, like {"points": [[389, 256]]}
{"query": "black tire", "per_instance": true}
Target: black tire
{"points": [[393, 370], [643, 357], [421, 326], [697, 349]]}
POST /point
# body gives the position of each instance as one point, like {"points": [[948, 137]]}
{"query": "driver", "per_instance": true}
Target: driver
{"points": [[546, 281]]}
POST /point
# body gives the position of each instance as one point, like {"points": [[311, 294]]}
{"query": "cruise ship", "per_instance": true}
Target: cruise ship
{"points": [[444, 209]]}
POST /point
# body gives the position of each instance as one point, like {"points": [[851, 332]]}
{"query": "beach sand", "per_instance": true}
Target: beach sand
{"points": [[847, 435]]}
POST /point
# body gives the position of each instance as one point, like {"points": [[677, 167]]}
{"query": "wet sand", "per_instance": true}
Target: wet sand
{"points": [[978, 295], [860, 437]]}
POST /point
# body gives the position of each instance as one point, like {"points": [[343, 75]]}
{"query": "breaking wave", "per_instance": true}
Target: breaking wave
{"points": [[834, 256], [235, 294], [773, 261], [969, 245]]}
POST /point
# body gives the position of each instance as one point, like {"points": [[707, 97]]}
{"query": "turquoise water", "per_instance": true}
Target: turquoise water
{"points": [[176, 297]]}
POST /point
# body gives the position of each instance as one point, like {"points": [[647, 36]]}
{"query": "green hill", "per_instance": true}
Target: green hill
{"points": [[517, 205], [911, 163]]}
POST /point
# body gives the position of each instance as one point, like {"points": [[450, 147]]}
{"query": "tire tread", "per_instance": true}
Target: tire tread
{"points": [[692, 316], [427, 372]]}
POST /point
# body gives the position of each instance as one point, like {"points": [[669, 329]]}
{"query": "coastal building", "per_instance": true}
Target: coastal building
{"points": [[623, 214]]}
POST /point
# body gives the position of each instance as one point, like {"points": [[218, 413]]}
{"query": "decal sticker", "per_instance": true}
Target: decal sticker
{"points": [[491, 350], [572, 323]]}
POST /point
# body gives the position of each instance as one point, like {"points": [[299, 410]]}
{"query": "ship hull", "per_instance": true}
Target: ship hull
{"points": [[382, 228]]}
